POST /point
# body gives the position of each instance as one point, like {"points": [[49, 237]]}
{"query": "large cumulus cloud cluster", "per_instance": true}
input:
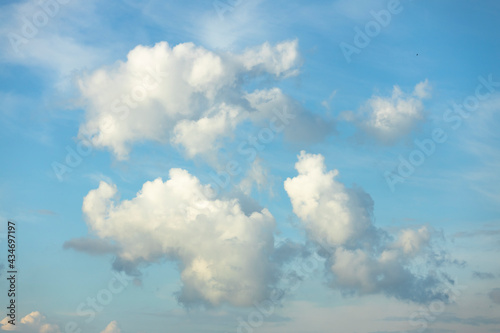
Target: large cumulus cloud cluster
{"points": [[223, 253], [165, 94], [195, 99], [362, 258]]}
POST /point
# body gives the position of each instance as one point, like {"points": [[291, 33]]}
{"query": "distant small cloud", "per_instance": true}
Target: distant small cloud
{"points": [[483, 276], [34, 322], [390, 119], [495, 295], [92, 246], [45, 212], [112, 328], [476, 233]]}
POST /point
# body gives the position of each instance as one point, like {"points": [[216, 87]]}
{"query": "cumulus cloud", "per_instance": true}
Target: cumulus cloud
{"points": [[362, 258], [223, 254], [279, 60], [333, 214], [112, 328], [390, 119], [185, 94], [200, 136], [34, 322]]}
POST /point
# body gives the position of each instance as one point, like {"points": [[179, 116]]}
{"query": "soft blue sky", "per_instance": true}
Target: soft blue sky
{"points": [[454, 193]]}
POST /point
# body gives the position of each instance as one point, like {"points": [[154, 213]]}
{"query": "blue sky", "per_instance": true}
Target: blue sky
{"points": [[251, 165]]}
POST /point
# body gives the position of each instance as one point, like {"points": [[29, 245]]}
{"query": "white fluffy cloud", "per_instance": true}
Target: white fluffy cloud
{"points": [[34, 322], [390, 119], [279, 60], [333, 214], [223, 253], [186, 94], [200, 136], [363, 258]]}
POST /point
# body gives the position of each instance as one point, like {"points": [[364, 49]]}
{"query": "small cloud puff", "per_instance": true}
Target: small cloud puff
{"points": [[390, 119], [112, 328], [34, 322]]}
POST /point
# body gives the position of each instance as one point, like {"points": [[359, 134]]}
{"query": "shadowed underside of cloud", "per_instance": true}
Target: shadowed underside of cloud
{"points": [[495, 295], [92, 246], [362, 259]]}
